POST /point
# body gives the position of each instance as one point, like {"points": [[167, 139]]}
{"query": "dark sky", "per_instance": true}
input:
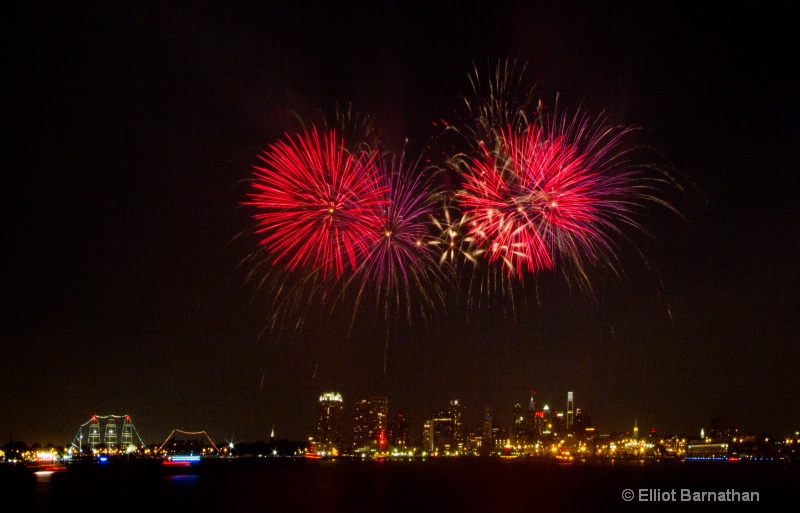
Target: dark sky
{"points": [[131, 133]]}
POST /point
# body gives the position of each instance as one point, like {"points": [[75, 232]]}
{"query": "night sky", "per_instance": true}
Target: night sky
{"points": [[131, 133]]}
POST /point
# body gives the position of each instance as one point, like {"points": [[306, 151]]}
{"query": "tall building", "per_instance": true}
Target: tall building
{"points": [[445, 429], [397, 432], [370, 422], [530, 420], [427, 436], [546, 421], [518, 427], [559, 423], [487, 434], [583, 423], [570, 413], [329, 423], [525, 423]]}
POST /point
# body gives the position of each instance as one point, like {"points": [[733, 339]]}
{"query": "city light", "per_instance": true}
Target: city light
{"points": [[531, 432]]}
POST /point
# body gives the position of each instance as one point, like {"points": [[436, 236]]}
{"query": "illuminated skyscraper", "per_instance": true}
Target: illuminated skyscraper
{"points": [[546, 421], [446, 429], [456, 412], [570, 413], [370, 423], [487, 435], [559, 423], [329, 422], [427, 436], [524, 426], [529, 430], [518, 426]]}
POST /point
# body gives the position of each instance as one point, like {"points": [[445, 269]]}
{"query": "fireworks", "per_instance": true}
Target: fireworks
{"points": [[553, 192], [315, 202], [455, 246], [534, 192], [400, 264], [501, 100], [544, 191], [343, 221]]}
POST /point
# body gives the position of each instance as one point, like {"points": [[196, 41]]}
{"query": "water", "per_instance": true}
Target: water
{"points": [[457, 485]]}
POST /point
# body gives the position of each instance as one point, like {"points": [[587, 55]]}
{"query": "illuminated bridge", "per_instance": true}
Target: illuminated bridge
{"points": [[173, 445], [101, 431]]}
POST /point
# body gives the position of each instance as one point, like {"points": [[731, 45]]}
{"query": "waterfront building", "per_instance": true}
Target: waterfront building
{"points": [[427, 436], [707, 449], [397, 432], [445, 430], [329, 423], [370, 423]]}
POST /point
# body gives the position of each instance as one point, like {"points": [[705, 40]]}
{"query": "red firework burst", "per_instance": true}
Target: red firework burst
{"points": [[547, 195], [316, 202]]}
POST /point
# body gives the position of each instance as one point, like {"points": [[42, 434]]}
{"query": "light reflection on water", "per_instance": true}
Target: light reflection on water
{"points": [[183, 487], [43, 476], [347, 486], [43, 479]]}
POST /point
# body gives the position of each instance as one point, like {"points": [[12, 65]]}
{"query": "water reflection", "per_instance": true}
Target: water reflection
{"points": [[183, 487], [43, 480]]}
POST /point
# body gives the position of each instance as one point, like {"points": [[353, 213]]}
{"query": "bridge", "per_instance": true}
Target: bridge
{"points": [[174, 446], [91, 435]]}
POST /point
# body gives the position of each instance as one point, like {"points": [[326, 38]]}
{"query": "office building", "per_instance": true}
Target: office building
{"points": [[370, 419], [329, 423]]}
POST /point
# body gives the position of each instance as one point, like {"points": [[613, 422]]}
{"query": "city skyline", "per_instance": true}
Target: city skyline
{"points": [[133, 281], [370, 420]]}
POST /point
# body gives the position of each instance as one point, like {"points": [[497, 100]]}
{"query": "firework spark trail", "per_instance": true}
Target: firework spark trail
{"points": [[546, 191], [528, 199], [554, 193], [531, 191], [315, 202], [453, 243], [621, 190], [400, 266], [293, 296], [339, 226], [501, 100]]}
